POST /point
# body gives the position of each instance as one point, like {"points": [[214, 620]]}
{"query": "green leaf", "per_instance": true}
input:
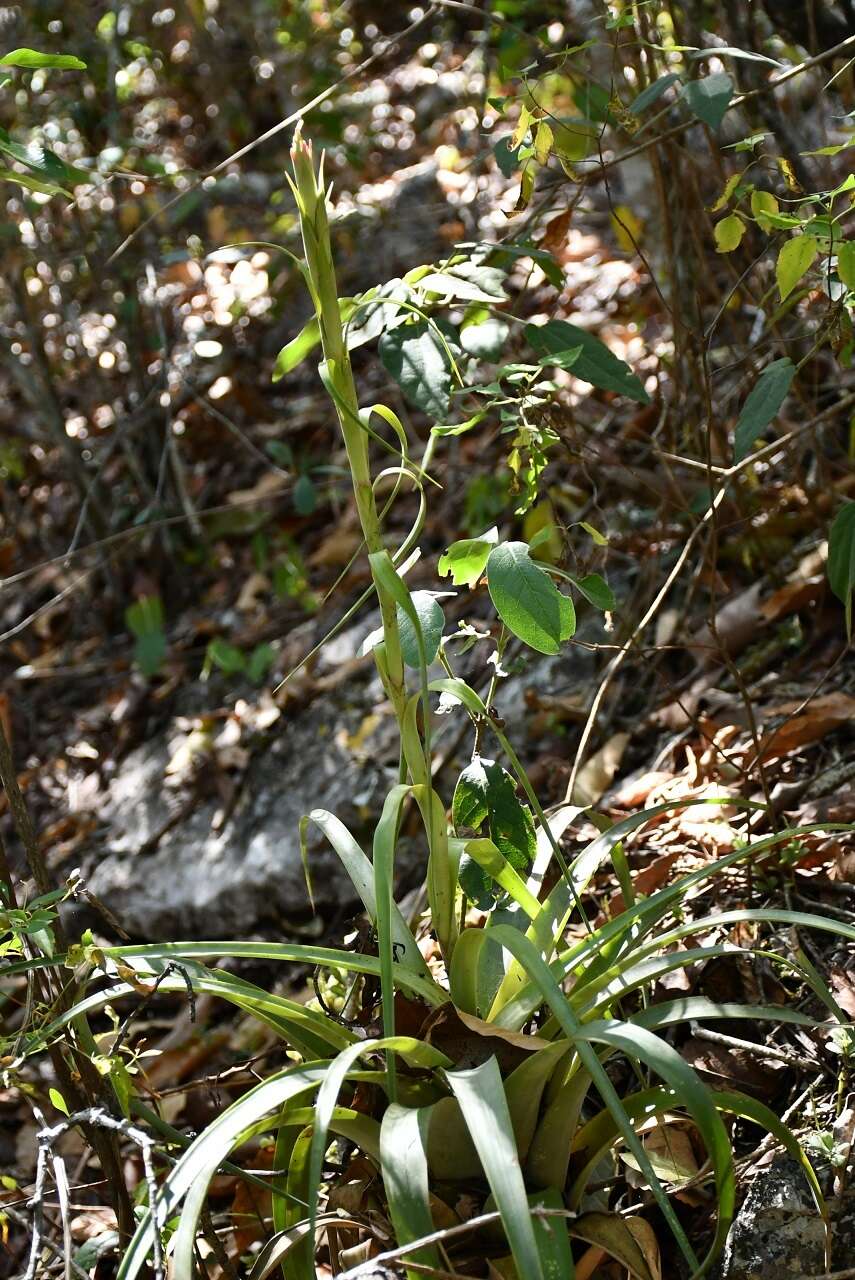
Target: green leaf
{"points": [[639, 1044], [31, 59], [149, 652], [260, 661], [727, 51], [295, 351], [762, 405], [526, 598], [403, 1161], [226, 656], [419, 363], [728, 233], [197, 1165], [305, 495], [708, 99], [490, 859], [763, 203], [466, 560], [469, 804], [144, 619], [58, 1101], [29, 183], [846, 263], [42, 161], [487, 792], [483, 334], [652, 93], [841, 559], [469, 281], [431, 621], [482, 1100], [595, 363], [599, 538], [506, 156], [361, 875], [598, 591], [552, 1237], [796, 256], [382, 311]]}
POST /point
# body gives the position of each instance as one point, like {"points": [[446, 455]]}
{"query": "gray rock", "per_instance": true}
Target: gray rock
{"points": [[201, 882], [777, 1232]]}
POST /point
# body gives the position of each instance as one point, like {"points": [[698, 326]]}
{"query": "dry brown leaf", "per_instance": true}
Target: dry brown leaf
{"points": [[337, 549], [268, 483], [635, 791], [596, 774], [843, 985], [792, 597], [821, 716], [556, 230], [631, 1240]]}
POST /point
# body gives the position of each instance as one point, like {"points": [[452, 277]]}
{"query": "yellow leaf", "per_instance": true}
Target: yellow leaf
{"points": [[728, 233], [729, 188], [763, 203], [789, 176], [522, 128], [627, 228], [542, 142]]}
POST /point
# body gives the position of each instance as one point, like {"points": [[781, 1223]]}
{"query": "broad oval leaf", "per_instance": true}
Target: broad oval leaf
{"points": [[431, 620], [418, 361], [526, 598], [763, 203], [482, 334], [597, 590], [466, 560], [796, 256], [595, 363], [469, 805], [728, 233], [709, 98], [762, 405]]}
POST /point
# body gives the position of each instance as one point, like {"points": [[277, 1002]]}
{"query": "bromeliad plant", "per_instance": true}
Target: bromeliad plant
{"points": [[518, 1029]]}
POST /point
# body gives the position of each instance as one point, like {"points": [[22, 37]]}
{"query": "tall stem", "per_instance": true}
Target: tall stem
{"points": [[320, 277]]}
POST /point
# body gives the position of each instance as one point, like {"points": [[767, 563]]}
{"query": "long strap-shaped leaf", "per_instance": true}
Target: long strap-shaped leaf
{"points": [[385, 837], [416, 1052], [151, 958], [403, 1158], [584, 955], [662, 1058], [196, 1167], [361, 874], [481, 1096], [307, 1030]]}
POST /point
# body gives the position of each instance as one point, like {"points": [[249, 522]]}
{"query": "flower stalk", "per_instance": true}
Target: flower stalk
{"points": [[337, 375]]}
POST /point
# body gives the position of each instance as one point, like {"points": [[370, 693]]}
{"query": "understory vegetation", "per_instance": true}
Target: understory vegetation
{"points": [[458, 399]]}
